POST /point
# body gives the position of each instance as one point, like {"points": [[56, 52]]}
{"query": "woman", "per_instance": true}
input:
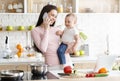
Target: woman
{"points": [[45, 38]]}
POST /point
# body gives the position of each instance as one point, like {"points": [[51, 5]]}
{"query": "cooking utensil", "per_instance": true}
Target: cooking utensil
{"points": [[39, 69], [12, 75]]}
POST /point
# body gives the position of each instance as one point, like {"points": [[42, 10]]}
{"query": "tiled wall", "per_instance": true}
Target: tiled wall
{"points": [[97, 26], [15, 36], [24, 19]]}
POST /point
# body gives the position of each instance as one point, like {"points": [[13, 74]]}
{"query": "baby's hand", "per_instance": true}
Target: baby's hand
{"points": [[59, 32]]}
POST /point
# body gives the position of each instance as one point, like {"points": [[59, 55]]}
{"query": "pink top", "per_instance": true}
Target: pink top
{"points": [[48, 42]]}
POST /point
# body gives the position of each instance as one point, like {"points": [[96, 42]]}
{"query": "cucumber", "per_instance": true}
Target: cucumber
{"points": [[101, 75]]}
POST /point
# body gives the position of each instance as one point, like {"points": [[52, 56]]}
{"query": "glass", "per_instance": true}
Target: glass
{"points": [[28, 48], [30, 51]]}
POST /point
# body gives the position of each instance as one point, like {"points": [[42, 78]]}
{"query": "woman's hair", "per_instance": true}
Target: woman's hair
{"points": [[47, 9]]}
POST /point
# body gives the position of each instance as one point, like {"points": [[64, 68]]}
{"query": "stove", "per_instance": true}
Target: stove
{"points": [[28, 76]]}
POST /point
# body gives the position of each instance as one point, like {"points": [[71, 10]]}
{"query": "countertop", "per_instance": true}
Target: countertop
{"points": [[113, 76], [80, 59], [21, 60]]}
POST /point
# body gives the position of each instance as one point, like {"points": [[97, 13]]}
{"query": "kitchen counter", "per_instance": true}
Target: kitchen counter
{"points": [[34, 59], [117, 78], [21, 60], [80, 59], [113, 76]]}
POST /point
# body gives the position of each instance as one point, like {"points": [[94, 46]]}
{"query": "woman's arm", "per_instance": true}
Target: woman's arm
{"points": [[77, 38], [40, 41]]}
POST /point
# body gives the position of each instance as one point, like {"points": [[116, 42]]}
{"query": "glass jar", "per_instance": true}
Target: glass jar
{"points": [[60, 8]]}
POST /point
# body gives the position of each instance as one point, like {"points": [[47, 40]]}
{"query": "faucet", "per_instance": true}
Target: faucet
{"points": [[107, 52]]}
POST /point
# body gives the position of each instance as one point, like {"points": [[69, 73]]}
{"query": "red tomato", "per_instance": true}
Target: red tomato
{"points": [[67, 69], [90, 75]]}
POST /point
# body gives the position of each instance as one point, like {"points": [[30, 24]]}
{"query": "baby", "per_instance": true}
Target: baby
{"points": [[69, 37]]}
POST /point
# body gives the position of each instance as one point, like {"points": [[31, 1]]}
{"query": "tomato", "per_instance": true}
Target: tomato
{"points": [[67, 69], [90, 75]]}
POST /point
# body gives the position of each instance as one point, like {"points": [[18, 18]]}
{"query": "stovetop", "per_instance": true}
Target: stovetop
{"points": [[28, 76]]}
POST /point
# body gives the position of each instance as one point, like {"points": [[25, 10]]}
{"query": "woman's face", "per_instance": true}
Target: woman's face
{"points": [[52, 15]]}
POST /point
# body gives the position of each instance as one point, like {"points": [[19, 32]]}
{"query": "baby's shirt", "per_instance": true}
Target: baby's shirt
{"points": [[68, 35]]}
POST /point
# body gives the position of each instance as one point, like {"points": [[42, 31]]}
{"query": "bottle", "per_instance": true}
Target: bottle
{"points": [[60, 8], [7, 51], [85, 47]]}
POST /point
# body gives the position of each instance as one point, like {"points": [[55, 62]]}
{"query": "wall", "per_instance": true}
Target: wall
{"points": [[102, 30], [15, 36], [97, 26]]}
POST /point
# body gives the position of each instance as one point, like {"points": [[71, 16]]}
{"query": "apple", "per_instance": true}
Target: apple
{"points": [[21, 28], [82, 52], [67, 70], [77, 53], [31, 27], [9, 28]]}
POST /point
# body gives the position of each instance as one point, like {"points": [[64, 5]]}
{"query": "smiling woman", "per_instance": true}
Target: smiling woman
{"points": [[45, 38]]}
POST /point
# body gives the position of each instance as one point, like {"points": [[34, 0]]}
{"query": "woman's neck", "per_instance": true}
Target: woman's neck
{"points": [[42, 25]]}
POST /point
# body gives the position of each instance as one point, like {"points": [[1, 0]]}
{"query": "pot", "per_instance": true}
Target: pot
{"points": [[39, 69], [11, 75]]}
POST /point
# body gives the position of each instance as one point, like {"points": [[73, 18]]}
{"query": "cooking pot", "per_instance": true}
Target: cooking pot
{"points": [[11, 75], [39, 69]]}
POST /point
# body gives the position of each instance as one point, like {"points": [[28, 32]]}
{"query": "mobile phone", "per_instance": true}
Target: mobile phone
{"points": [[45, 15]]}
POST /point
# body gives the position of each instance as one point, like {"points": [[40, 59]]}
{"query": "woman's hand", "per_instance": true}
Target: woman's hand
{"points": [[70, 48], [59, 32], [46, 23]]}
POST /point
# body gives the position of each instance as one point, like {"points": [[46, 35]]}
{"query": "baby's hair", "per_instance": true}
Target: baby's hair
{"points": [[73, 15]]}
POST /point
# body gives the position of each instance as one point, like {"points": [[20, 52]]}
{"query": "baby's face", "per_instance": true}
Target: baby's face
{"points": [[69, 22]]}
